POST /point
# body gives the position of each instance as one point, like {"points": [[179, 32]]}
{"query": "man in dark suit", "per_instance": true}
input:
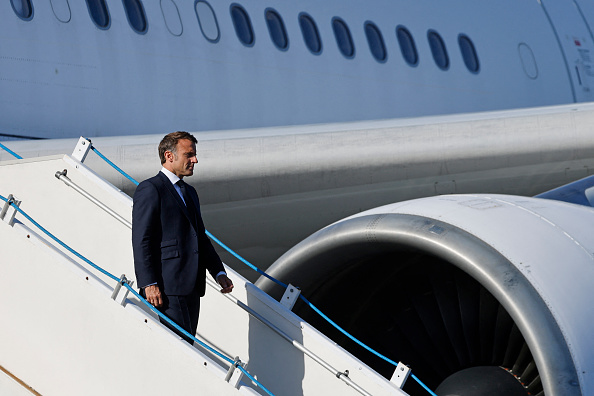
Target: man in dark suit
{"points": [[171, 249]]}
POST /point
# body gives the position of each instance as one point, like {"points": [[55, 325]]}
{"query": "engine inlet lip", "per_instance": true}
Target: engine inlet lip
{"points": [[338, 243]]}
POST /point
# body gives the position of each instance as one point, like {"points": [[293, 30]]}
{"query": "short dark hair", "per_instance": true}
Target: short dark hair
{"points": [[169, 143]]}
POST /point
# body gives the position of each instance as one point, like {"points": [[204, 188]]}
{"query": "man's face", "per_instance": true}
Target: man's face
{"points": [[182, 163]]}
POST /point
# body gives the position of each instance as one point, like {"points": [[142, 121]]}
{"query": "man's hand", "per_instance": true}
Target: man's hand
{"points": [[225, 283], [153, 295]]}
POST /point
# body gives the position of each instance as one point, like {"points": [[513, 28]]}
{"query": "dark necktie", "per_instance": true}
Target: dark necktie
{"points": [[189, 203]]}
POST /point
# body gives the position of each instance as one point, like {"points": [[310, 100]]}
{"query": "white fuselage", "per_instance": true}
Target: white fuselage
{"points": [[63, 76]]}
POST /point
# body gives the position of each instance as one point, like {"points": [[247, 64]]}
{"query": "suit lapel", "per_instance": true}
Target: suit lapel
{"points": [[171, 190], [196, 202]]}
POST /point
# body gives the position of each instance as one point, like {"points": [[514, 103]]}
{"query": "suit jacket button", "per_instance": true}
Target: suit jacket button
{"points": [[195, 251]]}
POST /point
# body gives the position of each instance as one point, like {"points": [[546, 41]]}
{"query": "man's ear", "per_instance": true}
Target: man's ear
{"points": [[168, 156]]}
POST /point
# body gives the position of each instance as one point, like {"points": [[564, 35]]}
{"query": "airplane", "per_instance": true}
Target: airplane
{"points": [[307, 113]]}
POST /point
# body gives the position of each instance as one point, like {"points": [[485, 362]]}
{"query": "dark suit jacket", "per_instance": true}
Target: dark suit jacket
{"points": [[168, 248]]}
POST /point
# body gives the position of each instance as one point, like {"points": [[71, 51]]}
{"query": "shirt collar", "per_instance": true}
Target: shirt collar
{"points": [[170, 175]]}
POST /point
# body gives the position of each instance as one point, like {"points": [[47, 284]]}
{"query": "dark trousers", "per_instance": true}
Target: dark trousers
{"points": [[184, 311]]}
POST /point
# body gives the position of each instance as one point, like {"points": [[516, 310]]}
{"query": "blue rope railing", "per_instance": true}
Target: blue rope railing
{"points": [[307, 302], [104, 158], [143, 300], [252, 266], [10, 151]]}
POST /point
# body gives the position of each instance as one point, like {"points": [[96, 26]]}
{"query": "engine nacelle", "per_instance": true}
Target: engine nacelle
{"points": [[452, 283]]}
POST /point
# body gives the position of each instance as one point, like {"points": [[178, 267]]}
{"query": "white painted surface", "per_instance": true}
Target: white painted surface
{"points": [[10, 387], [67, 79]]}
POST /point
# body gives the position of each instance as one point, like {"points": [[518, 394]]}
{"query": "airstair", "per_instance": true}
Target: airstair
{"points": [[72, 324]]}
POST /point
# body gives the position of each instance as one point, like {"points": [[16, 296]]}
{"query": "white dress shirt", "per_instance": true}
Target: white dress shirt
{"points": [[173, 178]]}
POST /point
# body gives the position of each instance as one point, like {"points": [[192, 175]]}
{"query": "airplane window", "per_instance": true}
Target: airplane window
{"points": [[407, 46], [276, 28], [61, 10], [376, 42], [311, 36], [468, 53], [438, 49], [23, 9], [242, 24], [171, 17], [136, 15], [343, 37], [528, 61], [207, 21], [99, 13]]}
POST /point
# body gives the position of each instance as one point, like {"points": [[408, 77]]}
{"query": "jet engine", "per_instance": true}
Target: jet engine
{"points": [[477, 294]]}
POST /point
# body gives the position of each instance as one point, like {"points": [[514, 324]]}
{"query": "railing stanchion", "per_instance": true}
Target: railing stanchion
{"points": [[290, 296], [235, 373], [9, 210], [116, 290], [400, 375], [82, 149]]}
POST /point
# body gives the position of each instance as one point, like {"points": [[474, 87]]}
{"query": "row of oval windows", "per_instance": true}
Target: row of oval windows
{"points": [[278, 34]]}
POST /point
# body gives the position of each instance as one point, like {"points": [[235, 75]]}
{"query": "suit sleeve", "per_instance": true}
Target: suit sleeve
{"points": [[214, 263], [207, 252], [146, 234]]}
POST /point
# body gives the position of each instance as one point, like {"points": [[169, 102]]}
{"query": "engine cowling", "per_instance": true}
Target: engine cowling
{"points": [[459, 287]]}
